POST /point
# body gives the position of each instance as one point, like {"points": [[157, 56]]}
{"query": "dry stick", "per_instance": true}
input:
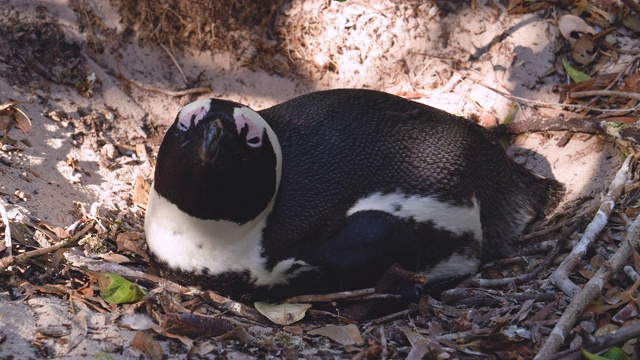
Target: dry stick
{"points": [[331, 297], [615, 337], [548, 260], [560, 277], [233, 307], [142, 86], [8, 261], [530, 102], [580, 94], [175, 62], [590, 290], [7, 228]]}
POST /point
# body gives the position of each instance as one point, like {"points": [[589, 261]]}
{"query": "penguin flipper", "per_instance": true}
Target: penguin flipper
{"points": [[369, 242]]}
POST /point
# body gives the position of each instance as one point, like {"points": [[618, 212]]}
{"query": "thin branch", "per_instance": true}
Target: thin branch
{"points": [[624, 94], [548, 260], [8, 261], [198, 90], [612, 338], [331, 297], [7, 229], [176, 63], [560, 277], [590, 290]]}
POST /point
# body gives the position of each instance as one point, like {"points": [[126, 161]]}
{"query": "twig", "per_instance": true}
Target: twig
{"points": [[633, 5], [624, 94], [198, 90], [615, 81], [546, 231], [140, 277], [560, 277], [393, 316], [590, 290], [548, 260], [530, 102], [7, 228], [631, 273], [8, 261], [612, 338], [331, 297], [176, 63]]}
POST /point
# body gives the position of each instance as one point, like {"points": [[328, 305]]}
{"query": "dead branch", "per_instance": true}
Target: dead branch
{"points": [[75, 258], [624, 94], [7, 228], [198, 90], [612, 338], [344, 295], [548, 260], [482, 297], [590, 290], [560, 277], [10, 260]]}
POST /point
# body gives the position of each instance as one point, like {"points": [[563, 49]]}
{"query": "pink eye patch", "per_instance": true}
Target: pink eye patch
{"points": [[254, 133], [193, 113]]}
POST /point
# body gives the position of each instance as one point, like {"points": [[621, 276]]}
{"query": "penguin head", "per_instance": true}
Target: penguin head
{"points": [[219, 160]]}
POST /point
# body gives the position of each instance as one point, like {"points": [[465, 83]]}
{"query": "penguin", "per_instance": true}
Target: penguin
{"points": [[324, 192]]}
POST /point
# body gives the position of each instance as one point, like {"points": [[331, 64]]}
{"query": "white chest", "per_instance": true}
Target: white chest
{"points": [[195, 245]]}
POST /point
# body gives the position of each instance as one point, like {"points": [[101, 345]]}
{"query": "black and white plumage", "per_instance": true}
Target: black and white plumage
{"points": [[324, 192]]}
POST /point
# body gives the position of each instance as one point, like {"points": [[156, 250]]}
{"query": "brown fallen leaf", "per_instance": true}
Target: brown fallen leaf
{"points": [[282, 314], [196, 325], [343, 335], [141, 192], [10, 112], [146, 342]]}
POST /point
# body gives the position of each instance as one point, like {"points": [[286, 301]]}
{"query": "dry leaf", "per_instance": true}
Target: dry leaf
{"points": [[583, 50], [343, 335], [141, 192], [145, 342], [569, 24], [627, 312], [282, 314]]}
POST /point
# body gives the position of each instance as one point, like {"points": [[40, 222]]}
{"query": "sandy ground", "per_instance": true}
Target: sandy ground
{"points": [[395, 48]]}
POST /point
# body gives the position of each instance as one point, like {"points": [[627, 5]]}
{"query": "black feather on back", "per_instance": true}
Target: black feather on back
{"points": [[341, 145]]}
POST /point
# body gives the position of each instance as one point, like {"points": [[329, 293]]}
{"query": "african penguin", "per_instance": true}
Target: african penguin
{"points": [[324, 192]]}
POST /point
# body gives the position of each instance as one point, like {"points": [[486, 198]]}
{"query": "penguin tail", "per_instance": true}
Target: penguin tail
{"points": [[526, 198]]}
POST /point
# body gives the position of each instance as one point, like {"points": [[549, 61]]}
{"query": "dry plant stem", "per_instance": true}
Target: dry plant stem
{"points": [[233, 307], [175, 62], [7, 228], [8, 261], [560, 277], [548, 260], [525, 101], [633, 5], [331, 297], [615, 337], [77, 260], [623, 94], [590, 290], [394, 316], [169, 92]]}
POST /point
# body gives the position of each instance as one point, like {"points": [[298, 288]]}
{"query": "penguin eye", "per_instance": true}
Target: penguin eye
{"points": [[254, 142]]}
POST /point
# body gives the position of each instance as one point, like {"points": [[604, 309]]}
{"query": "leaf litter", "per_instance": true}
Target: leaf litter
{"points": [[514, 319]]}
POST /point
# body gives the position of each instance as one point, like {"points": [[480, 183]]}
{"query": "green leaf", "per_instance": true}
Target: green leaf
{"points": [[115, 289], [612, 354], [576, 75]]}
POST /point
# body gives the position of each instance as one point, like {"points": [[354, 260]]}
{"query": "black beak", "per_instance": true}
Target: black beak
{"points": [[208, 148]]}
